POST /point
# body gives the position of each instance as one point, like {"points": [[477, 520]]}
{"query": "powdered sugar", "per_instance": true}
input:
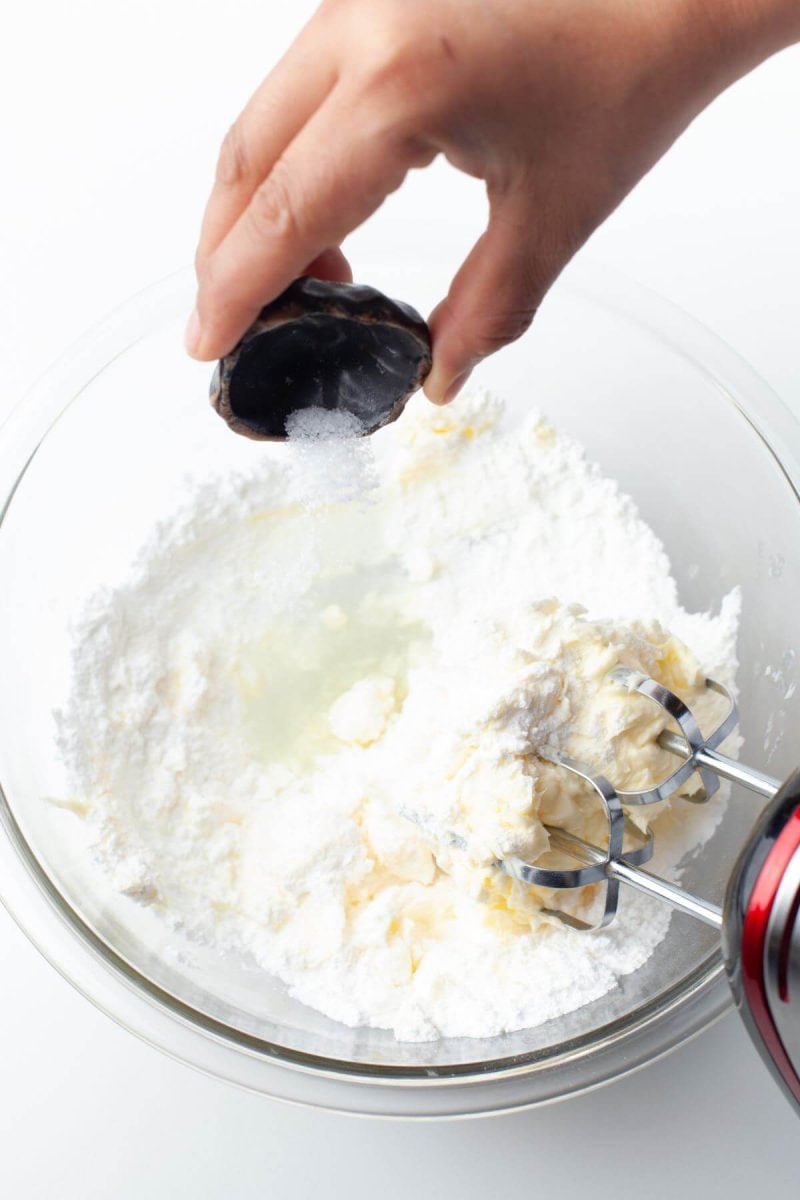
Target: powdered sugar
{"points": [[310, 653]]}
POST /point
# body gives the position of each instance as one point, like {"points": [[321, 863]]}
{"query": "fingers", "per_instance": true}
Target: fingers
{"points": [[331, 264], [273, 116], [493, 297], [336, 172]]}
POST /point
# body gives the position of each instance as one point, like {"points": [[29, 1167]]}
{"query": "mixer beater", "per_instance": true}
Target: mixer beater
{"points": [[760, 919]]}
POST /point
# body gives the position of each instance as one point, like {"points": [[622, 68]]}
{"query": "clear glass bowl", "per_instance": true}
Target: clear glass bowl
{"points": [[710, 456]]}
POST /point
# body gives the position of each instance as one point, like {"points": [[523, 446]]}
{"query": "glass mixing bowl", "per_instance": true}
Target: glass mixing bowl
{"points": [[710, 456]]}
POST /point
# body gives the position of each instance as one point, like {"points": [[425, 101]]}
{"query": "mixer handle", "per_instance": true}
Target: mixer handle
{"points": [[761, 935]]}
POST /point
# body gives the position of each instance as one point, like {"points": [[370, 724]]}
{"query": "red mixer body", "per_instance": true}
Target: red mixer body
{"points": [[761, 936]]}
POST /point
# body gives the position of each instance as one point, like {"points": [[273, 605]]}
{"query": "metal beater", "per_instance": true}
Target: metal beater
{"points": [[760, 920]]}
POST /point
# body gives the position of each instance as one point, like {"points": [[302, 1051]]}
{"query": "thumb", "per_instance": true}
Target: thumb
{"points": [[494, 296]]}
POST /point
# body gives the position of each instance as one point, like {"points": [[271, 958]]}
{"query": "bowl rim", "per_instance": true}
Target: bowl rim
{"points": [[101, 974]]}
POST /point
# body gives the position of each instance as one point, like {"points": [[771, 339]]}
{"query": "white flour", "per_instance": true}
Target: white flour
{"points": [[307, 656]]}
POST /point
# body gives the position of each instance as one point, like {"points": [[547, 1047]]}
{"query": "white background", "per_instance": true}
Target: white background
{"points": [[110, 116]]}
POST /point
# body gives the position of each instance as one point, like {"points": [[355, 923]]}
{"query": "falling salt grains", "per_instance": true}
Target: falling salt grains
{"points": [[331, 459], [323, 425]]}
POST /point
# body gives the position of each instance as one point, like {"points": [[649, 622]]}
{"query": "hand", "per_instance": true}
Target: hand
{"points": [[560, 106]]}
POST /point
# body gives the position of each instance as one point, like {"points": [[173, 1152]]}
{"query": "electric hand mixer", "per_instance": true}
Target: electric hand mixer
{"points": [[760, 921]]}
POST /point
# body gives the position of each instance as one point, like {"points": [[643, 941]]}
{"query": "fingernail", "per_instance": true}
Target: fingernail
{"points": [[456, 386], [191, 338]]}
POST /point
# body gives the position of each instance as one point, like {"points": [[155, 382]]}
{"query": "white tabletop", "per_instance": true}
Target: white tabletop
{"points": [[112, 113]]}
